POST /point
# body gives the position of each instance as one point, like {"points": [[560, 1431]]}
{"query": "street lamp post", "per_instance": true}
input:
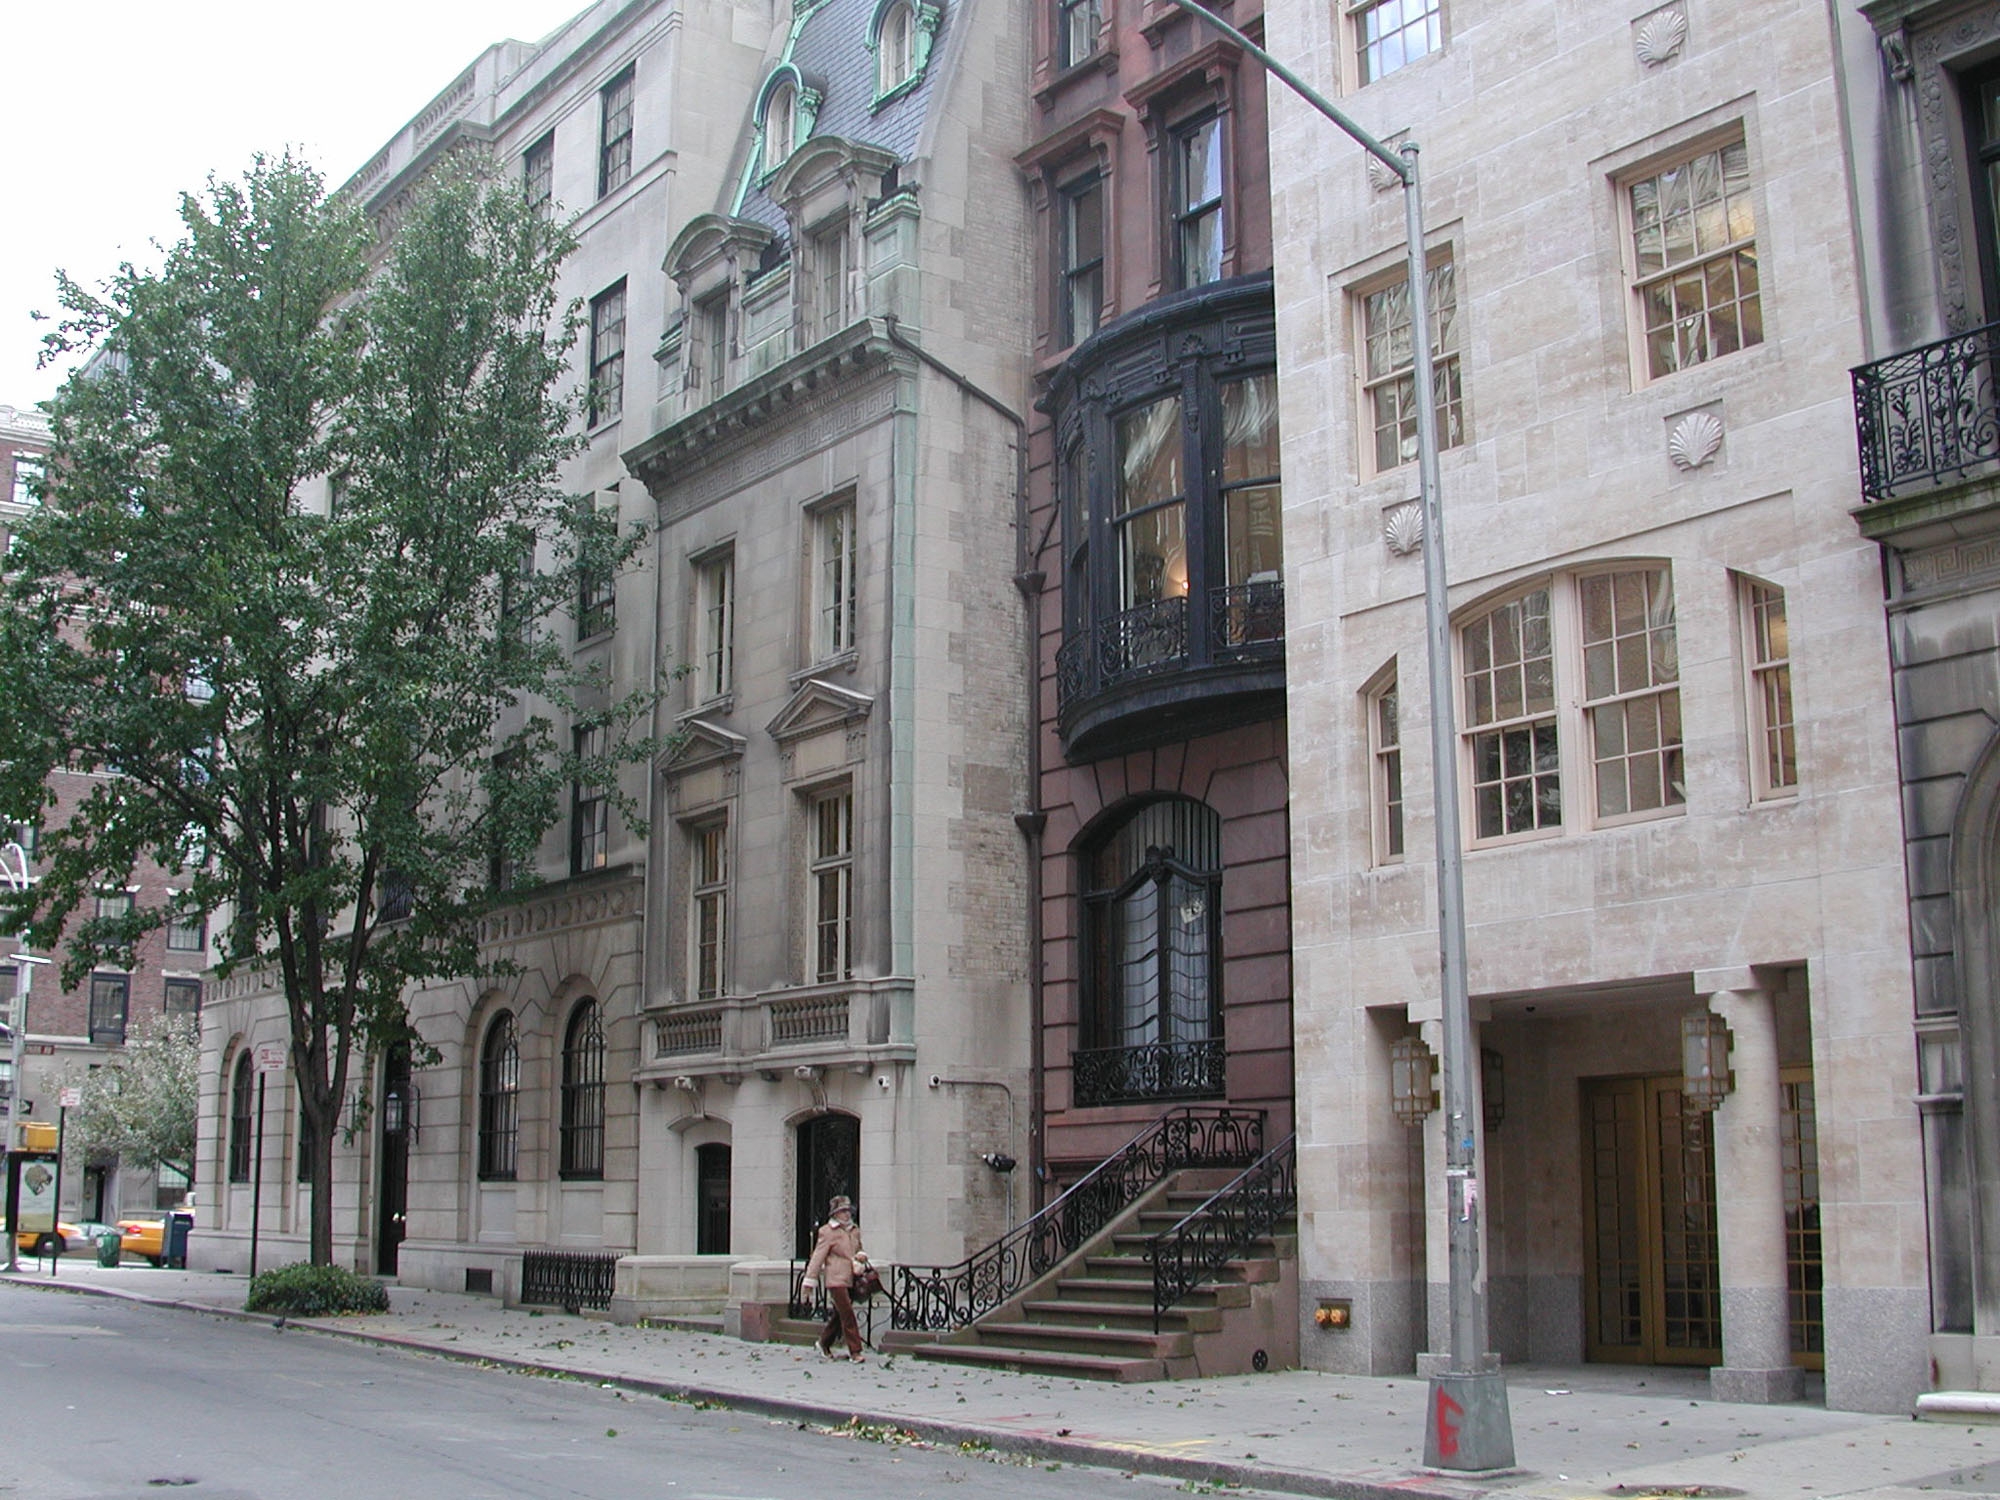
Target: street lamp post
{"points": [[1467, 1425], [14, 870]]}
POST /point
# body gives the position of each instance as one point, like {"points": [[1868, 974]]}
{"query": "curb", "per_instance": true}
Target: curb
{"points": [[931, 1429]]}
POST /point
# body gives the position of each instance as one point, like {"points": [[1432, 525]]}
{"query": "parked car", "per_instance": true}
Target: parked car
{"points": [[145, 1237], [33, 1243], [85, 1235]]}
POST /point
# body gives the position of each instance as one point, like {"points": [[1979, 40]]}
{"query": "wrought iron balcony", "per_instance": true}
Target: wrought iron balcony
{"points": [[1153, 1070], [1929, 417]]}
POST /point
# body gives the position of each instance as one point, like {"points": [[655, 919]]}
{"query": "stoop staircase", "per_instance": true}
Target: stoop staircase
{"points": [[1149, 1269]]}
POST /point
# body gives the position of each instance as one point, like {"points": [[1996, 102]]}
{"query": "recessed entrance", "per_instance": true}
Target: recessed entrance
{"points": [[711, 1226], [829, 1163], [392, 1205]]}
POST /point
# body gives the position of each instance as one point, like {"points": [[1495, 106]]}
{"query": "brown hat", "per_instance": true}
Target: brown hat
{"points": [[839, 1201]]}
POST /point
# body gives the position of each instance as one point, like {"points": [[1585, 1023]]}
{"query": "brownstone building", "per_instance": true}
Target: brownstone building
{"points": [[1155, 544]]}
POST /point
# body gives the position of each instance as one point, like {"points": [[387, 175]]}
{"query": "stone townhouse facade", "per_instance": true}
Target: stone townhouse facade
{"points": [[1675, 754], [1919, 113], [1162, 762], [524, 1134], [834, 989]]}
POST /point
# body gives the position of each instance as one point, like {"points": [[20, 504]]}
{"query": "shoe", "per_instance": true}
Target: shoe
{"points": [[859, 1359]]}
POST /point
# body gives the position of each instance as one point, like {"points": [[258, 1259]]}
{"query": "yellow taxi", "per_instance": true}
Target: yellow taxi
{"points": [[143, 1237]]}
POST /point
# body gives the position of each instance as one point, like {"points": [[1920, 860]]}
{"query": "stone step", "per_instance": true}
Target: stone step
{"points": [[1047, 1362], [1104, 1292], [1111, 1343], [1128, 1315]]}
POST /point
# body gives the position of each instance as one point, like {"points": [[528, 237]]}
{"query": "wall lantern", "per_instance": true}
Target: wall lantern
{"points": [[1412, 1080], [1706, 1079], [400, 1110], [1493, 1086]]}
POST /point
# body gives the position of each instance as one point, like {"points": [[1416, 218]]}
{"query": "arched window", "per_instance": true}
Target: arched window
{"points": [[499, 1099], [583, 1093], [895, 47], [1152, 977], [240, 1116], [780, 125]]}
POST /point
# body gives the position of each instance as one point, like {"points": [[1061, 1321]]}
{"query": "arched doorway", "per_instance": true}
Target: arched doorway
{"points": [[829, 1163]]}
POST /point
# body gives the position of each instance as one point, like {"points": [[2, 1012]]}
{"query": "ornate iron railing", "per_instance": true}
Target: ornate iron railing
{"points": [[1154, 1070], [941, 1298], [819, 1306], [567, 1279], [1247, 1210], [1929, 415], [1247, 616], [1244, 622]]}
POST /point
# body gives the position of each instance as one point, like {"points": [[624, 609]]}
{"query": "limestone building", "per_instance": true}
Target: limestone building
{"points": [[834, 993], [525, 1132], [1675, 755]]}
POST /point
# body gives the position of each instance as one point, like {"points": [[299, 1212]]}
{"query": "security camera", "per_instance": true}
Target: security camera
{"points": [[999, 1161], [805, 1071], [685, 1083], [936, 1081], [882, 1082]]}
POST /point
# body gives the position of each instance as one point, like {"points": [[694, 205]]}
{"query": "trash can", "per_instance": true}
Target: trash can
{"points": [[107, 1247], [174, 1250]]}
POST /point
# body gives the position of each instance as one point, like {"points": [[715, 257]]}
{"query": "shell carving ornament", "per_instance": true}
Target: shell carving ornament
{"points": [[1661, 37], [1694, 440], [1403, 527]]}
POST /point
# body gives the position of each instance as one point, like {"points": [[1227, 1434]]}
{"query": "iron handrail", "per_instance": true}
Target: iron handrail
{"points": [[942, 1298], [1222, 1228], [1929, 415]]}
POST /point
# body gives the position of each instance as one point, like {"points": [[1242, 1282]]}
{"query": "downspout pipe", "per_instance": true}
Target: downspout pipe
{"points": [[1029, 579]]}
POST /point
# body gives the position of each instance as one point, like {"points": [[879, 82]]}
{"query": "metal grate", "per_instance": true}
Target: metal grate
{"points": [[567, 1279], [1804, 1269]]}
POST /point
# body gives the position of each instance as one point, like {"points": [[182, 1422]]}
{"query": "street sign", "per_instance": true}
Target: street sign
{"points": [[270, 1057], [71, 1098]]}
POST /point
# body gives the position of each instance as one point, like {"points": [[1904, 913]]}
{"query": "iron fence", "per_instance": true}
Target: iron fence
{"points": [[942, 1298], [1154, 1070], [1929, 415], [1248, 1209], [570, 1280]]}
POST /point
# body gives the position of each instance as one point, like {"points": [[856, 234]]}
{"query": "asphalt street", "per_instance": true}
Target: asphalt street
{"points": [[108, 1400]]}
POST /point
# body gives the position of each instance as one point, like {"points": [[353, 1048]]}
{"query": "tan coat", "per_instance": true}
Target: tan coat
{"points": [[834, 1254]]}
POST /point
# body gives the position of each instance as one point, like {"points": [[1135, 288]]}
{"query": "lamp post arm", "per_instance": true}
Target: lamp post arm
{"points": [[1303, 89]]}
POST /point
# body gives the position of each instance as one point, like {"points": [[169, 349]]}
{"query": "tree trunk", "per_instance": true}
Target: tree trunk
{"points": [[324, 1106]]}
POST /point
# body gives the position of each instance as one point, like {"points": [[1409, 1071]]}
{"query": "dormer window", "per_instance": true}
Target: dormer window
{"points": [[895, 47], [780, 125]]}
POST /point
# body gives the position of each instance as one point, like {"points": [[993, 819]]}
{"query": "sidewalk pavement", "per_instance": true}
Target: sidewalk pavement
{"points": [[1593, 1431]]}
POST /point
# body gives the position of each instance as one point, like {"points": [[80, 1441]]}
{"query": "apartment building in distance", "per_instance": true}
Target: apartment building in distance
{"points": [[1685, 884]]}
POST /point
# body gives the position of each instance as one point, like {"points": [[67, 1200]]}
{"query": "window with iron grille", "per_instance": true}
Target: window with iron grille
{"points": [[499, 1100], [1390, 387], [614, 150], [538, 174], [1081, 234], [110, 1003], [834, 587], [607, 354], [583, 1093], [589, 807], [709, 914], [1774, 758], [241, 1119], [1390, 33], [830, 878], [1077, 25], [182, 997], [1695, 274], [1197, 202]]}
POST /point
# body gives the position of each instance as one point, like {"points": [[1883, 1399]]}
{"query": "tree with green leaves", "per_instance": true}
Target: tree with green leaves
{"points": [[305, 515], [140, 1107]]}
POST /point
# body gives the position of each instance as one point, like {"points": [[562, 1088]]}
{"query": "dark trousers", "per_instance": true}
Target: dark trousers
{"points": [[842, 1321]]}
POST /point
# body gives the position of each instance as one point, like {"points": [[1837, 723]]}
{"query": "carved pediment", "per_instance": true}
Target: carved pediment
{"points": [[706, 239], [704, 745], [816, 708]]}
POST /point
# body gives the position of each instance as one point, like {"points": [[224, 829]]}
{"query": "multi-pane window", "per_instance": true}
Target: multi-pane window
{"points": [[710, 365], [1390, 364], [1774, 754], [187, 933], [1509, 681], [614, 149], [1197, 202], [828, 260], [1082, 238], [1149, 505], [589, 807], [1631, 690], [583, 1093], [27, 478], [182, 998], [1385, 745], [708, 936], [1077, 25], [499, 1100], [1694, 259], [110, 1000], [241, 1119], [895, 48], [780, 125], [607, 354], [596, 597], [538, 174], [111, 905], [1253, 548], [834, 587], [715, 625], [830, 879], [1390, 33]]}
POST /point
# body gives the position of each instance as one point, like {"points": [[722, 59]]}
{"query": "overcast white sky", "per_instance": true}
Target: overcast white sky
{"points": [[110, 109]]}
